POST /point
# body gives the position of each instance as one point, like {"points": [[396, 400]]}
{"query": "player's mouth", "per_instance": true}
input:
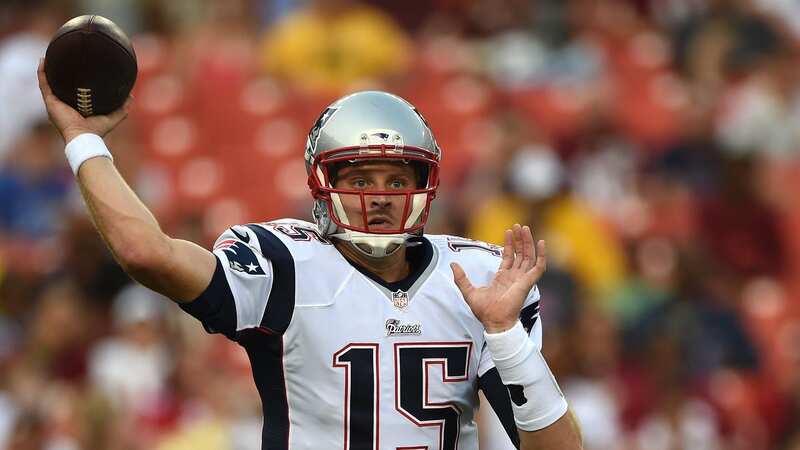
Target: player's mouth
{"points": [[381, 222]]}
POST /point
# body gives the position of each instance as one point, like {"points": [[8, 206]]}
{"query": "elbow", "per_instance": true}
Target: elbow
{"points": [[143, 255]]}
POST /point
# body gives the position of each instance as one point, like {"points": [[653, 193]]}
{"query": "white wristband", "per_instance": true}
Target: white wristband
{"points": [[84, 147], [536, 399]]}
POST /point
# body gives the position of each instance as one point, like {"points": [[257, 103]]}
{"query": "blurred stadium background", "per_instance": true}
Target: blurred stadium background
{"points": [[654, 143]]}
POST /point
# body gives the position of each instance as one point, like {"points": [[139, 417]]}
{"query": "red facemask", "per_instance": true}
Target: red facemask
{"points": [[416, 201]]}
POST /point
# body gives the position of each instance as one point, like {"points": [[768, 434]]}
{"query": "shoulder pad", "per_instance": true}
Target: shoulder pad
{"points": [[479, 259], [297, 230]]}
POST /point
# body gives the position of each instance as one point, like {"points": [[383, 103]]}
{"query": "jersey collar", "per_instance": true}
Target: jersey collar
{"points": [[420, 255]]}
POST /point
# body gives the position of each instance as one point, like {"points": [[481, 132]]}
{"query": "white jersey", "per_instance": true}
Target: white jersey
{"points": [[344, 360]]}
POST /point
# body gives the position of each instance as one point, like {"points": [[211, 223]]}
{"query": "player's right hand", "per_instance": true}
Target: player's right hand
{"points": [[69, 122]]}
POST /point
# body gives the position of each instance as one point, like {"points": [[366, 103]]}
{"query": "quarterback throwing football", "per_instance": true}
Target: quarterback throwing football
{"points": [[363, 332]]}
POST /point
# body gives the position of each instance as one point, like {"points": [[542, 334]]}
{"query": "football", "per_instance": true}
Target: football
{"points": [[90, 65]]}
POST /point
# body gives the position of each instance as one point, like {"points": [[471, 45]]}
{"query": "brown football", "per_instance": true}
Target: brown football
{"points": [[90, 65]]}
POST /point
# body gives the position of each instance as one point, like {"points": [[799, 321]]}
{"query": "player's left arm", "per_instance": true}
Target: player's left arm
{"points": [[540, 409]]}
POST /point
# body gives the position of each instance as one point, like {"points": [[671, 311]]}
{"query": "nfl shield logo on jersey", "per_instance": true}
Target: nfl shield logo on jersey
{"points": [[400, 299]]}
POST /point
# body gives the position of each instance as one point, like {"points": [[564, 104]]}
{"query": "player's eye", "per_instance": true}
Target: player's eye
{"points": [[359, 183], [398, 183]]}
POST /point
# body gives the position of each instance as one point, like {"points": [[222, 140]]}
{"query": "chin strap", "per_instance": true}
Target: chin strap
{"points": [[373, 245]]}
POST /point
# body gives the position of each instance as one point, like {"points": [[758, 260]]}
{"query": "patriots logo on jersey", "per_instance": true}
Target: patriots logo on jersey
{"points": [[395, 327], [240, 257]]}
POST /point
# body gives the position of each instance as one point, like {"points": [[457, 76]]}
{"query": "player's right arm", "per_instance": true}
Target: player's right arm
{"points": [[178, 269]]}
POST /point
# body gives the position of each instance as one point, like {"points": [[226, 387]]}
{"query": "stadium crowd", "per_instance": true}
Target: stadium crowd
{"points": [[654, 144]]}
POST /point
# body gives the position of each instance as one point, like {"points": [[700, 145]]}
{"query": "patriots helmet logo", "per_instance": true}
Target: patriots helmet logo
{"points": [[240, 257]]}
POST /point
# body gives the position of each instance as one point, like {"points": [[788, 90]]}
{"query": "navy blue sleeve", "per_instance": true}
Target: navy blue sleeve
{"points": [[239, 295], [215, 307]]}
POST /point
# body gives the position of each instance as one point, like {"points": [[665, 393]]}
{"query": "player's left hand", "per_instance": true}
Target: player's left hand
{"points": [[498, 305]]}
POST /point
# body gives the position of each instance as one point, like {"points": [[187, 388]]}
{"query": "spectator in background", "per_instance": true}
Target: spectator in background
{"points": [[332, 44], [131, 367], [739, 229], [42, 383], [541, 49], [33, 186], [59, 332], [726, 43], [677, 418], [19, 56], [537, 193], [591, 357], [762, 113]]}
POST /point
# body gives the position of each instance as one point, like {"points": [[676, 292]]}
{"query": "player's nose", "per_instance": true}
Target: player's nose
{"points": [[380, 201]]}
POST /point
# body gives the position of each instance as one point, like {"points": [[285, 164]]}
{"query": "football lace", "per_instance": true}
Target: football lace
{"points": [[85, 101]]}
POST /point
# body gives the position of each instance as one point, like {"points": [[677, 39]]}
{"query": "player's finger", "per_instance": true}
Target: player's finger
{"points": [[508, 252], [116, 117], [517, 235], [121, 113], [527, 248], [460, 277], [44, 86], [533, 275]]}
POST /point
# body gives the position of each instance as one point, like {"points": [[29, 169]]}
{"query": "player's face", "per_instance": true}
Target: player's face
{"points": [[383, 211]]}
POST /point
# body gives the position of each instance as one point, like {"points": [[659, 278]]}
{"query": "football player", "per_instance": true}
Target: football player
{"points": [[362, 331]]}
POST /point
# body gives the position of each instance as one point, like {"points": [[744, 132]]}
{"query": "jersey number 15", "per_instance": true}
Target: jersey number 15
{"points": [[411, 363]]}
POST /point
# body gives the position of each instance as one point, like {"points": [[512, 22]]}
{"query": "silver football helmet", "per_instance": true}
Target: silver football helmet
{"points": [[371, 125]]}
